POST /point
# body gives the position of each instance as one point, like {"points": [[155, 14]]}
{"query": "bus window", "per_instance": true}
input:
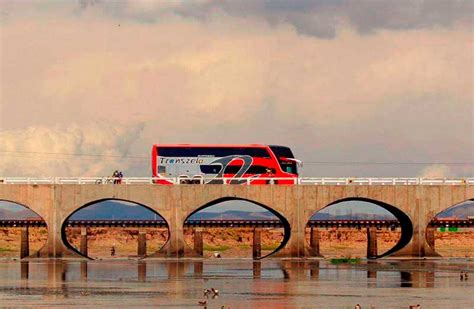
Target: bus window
{"points": [[218, 152], [254, 169], [210, 169]]}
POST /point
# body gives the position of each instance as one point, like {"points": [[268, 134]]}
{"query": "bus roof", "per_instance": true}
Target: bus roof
{"points": [[211, 145]]}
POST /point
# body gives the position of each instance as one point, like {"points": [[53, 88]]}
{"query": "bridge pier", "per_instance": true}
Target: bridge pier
{"points": [[430, 237], [257, 244], [198, 242], [372, 252], [290, 201], [314, 242], [175, 247], [418, 246], [83, 245], [141, 250], [24, 243]]}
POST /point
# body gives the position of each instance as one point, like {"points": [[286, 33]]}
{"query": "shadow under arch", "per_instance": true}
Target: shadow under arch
{"points": [[450, 214], [406, 225], [284, 221], [64, 225], [36, 253]]}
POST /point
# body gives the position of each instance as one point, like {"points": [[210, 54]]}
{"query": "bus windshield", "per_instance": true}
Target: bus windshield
{"points": [[282, 153]]}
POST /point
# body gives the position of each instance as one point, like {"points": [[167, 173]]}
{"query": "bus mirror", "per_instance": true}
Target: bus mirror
{"points": [[298, 162]]}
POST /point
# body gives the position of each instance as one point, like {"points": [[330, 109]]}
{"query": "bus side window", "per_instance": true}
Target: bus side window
{"points": [[210, 169]]}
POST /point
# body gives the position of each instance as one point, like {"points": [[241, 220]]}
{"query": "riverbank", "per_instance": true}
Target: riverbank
{"points": [[234, 242]]}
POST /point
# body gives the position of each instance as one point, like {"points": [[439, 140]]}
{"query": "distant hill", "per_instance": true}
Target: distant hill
{"points": [[234, 215], [461, 211], [110, 210], [356, 216], [17, 215]]}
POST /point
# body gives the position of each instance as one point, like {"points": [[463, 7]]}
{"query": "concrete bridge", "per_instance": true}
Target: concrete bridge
{"points": [[414, 205]]}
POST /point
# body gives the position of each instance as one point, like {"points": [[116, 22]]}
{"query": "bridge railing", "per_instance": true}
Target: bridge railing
{"points": [[227, 180]]}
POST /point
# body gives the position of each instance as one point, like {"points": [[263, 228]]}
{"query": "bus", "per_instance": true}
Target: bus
{"points": [[219, 164]]}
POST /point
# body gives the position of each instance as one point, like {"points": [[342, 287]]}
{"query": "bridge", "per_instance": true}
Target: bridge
{"points": [[413, 201], [463, 223]]}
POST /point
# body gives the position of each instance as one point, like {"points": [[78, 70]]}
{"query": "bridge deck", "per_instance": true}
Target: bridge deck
{"points": [[227, 180]]}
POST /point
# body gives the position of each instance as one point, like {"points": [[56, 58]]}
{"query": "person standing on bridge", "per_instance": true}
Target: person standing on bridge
{"points": [[120, 176], [115, 176]]}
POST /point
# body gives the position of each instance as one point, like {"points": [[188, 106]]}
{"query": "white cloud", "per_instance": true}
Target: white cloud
{"points": [[436, 171], [22, 150]]}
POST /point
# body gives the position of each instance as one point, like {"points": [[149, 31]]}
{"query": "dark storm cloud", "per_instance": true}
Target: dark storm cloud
{"points": [[314, 18]]}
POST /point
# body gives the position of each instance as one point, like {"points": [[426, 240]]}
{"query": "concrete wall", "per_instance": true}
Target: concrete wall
{"points": [[296, 203]]}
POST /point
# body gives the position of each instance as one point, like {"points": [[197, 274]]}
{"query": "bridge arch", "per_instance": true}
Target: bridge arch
{"points": [[404, 220], [450, 233], [284, 222], [125, 203], [36, 232]]}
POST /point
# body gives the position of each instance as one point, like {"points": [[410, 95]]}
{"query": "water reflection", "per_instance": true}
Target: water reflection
{"points": [[417, 274], [314, 270], [417, 279], [180, 281], [83, 267], [293, 269], [24, 272], [176, 269], [56, 289], [198, 268], [257, 269], [141, 271]]}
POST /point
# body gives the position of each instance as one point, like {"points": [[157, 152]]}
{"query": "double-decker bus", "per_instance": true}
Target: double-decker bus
{"points": [[232, 164]]}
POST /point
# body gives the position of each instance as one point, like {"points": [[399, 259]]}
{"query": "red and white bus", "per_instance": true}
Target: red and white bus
{"points": [[213, 163]]}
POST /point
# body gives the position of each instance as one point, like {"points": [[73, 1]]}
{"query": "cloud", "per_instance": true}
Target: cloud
{"points": [[436, 171], [314, 18], [104, 146], [231, 78]]}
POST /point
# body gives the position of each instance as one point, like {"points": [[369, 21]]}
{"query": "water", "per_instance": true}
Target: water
{"points": [[242, 284]]}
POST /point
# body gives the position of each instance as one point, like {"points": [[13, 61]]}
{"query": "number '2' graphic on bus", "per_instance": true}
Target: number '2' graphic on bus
{"points": [[224, 161]]}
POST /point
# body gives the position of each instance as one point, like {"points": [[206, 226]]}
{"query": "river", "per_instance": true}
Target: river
{"points": [[241, 283]]}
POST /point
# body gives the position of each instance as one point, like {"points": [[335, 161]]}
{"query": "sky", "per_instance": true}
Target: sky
{"points": [[337, 81]]}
